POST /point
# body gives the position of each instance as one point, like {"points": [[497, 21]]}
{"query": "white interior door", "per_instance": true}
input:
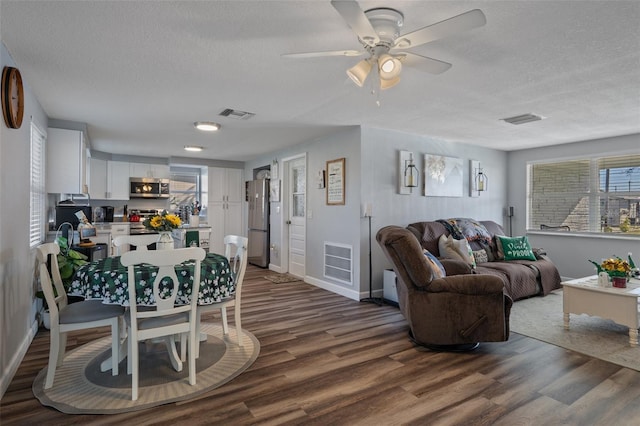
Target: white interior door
{"points": [[296, 222]]}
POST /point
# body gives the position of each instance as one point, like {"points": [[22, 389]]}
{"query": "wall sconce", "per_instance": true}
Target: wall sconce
{"points": [[479, 181], [409, 175]]}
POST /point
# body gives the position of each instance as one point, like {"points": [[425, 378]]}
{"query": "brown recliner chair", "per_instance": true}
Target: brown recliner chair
{"points": [[453, 313]]}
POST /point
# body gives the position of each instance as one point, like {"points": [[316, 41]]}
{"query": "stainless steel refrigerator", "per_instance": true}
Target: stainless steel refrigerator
{"points": [[258, 198]]}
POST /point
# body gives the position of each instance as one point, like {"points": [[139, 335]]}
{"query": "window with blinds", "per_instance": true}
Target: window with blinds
{"points": [[37, 188], [585, 195]]}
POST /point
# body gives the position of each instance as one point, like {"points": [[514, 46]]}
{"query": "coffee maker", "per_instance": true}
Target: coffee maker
{"points": [[108, 213]]}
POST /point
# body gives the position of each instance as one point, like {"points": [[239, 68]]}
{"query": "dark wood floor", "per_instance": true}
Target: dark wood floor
{"points": [[328, 360]]}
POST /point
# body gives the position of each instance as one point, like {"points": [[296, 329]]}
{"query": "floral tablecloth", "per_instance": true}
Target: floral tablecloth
{"points": [[107, 280]]}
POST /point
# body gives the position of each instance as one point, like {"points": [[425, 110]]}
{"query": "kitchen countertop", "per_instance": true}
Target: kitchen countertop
{"points": [[194, 227]]}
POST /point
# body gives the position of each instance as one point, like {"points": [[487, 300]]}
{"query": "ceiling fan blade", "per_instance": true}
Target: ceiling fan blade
{"points": [[463, 22], [422, 63], [357, 21], [327, 53]]}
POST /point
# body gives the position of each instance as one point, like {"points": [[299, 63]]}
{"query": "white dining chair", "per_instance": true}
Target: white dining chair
{"points": [[139, 241], [165, 319], [236, 252], [76, 316]]}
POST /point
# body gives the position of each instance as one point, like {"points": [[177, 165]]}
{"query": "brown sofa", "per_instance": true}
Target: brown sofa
{"points": [[521, 278], [451, 313]]}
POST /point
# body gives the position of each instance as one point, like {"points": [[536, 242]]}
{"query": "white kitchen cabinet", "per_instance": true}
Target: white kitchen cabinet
{"points": [[225, 205], [66, 162], [109, 180], [149, 170]]}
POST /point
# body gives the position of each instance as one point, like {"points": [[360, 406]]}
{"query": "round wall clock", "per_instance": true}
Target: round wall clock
{"points": [[12, 97]]}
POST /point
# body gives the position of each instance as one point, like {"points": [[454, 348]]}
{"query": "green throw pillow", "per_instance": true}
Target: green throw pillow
{"points": [[516, 248]]}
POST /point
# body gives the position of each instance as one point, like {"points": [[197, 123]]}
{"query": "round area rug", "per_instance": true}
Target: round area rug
{"points": [[81, 388]]}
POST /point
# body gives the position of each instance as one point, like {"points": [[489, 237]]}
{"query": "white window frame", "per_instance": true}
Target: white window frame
{"points": [[592, 191], [37, 191]]}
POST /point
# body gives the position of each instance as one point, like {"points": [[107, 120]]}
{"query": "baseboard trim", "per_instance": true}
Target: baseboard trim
{"points": [[275, 268], [334, 288], [12, 368]]}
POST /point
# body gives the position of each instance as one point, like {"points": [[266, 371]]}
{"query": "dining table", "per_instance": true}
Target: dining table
{"points": [[108, 280]]}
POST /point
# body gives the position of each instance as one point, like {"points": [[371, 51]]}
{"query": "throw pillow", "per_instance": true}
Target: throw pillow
{"points": [[437, 270], [480, 256], [515, 248], [456, 249], [490, 250]]}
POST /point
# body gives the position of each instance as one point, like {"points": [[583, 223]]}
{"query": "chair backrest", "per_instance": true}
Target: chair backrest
{"points": [[140, 241], [235, 249], [165, 260], [51, 284]]}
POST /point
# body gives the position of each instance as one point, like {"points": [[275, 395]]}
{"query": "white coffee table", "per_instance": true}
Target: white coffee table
{"points": [[584, 296]]}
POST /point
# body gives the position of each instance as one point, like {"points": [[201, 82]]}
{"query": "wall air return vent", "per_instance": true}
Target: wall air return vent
{"points": [[238, 115], [524, 118], [338, 262]]}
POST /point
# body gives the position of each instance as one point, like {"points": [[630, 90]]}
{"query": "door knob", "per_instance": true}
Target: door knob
{"points": [[288, 222]]}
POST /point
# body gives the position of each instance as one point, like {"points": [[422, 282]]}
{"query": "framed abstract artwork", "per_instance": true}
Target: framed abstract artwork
{"points": [[443, 176]]}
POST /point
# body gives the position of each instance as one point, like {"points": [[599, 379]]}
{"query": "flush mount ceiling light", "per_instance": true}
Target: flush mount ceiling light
{"points": [[206, 126], [193, 148], [378, 31]]}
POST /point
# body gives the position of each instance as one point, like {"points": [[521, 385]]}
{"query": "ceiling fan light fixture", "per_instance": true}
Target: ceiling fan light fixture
{"points": [[386, 84], [389, 67], [359, 72], [206, 126]]}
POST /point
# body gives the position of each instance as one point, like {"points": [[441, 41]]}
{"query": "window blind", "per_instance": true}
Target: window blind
{"points": [[587, 195], [37, 188]]}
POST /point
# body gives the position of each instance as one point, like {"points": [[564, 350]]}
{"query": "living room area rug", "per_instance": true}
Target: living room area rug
{"points": [[542, 318], [281, 278], [81, 388]]}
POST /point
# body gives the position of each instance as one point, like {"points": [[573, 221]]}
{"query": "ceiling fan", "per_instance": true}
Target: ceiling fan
{"points": [[378, 31]]}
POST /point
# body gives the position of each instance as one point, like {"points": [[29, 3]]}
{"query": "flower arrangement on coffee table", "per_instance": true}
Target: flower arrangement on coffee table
{"points": [[618, 269]]}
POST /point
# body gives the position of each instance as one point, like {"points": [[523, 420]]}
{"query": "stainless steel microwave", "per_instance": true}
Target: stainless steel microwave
{"points": [[148, 188]]}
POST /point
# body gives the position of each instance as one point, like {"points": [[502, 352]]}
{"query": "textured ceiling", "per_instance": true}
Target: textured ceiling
{"points": [[139, 73]]}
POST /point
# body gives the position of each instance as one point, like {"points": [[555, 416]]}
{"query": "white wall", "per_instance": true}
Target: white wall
{"points": [[570, 253], [17, 326]]}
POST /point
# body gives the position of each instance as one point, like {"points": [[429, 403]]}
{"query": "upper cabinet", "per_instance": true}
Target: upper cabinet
{"points": [[149, 170], [225, 185], [66, 162], [109, 180]]}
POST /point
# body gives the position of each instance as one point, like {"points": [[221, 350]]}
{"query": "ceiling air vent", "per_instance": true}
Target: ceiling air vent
{"points": [[238, 115], [524, 118]]}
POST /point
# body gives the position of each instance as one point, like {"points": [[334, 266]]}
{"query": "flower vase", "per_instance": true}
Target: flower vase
{"points": [[165, 241], [619, 282]]}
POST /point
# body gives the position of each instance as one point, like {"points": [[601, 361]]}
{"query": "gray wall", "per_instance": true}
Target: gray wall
{"points": [[380, 188], [371, 177], [17, 326], [570, 253]]}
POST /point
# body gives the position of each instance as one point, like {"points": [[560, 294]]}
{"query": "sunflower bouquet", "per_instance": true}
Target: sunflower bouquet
{"points": [[162, 222], [615, 266]]}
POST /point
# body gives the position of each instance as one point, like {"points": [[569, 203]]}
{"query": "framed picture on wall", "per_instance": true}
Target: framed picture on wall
{"points": [[442, 176], [335, 182]]}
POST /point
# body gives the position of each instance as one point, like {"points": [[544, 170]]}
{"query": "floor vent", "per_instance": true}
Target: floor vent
{"points": [[338, 262], [238, 115], [522, 119]]}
